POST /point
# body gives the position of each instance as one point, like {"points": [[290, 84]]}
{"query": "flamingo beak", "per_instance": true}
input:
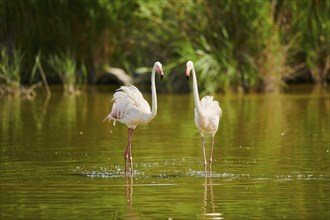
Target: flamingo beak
{"points": [[187, 74], [161, 74]]}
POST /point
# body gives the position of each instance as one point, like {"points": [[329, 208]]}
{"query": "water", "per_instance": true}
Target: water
{"points": [[271, 159]]}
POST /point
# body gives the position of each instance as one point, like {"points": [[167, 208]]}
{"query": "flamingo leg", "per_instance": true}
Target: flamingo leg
{"points": [[130, 151], [127, 148], [205, 194], [204, 153], [211, 150]]}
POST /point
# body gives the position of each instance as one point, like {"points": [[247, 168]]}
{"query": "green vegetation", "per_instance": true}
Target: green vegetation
{"points": [[10, 75], [241, 45], [65, 68], [10, 70]]}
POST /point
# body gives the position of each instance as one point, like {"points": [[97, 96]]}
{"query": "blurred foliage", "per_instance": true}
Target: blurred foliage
{"points": [[10, 66], [10, 74], [240, 45], [65, 67]]}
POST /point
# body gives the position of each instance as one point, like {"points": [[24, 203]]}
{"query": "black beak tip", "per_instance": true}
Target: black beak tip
{"points": [[161, 77], [187, 77]]}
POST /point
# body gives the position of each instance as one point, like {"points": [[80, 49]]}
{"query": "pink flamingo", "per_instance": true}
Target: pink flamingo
{"points": [[132, 109], [207, 112]]}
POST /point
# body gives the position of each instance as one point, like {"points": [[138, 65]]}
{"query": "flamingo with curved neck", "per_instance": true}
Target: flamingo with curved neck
{"points": [[207, 112], [132, 109]]}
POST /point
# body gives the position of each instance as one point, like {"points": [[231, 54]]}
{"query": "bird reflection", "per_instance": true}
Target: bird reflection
{"points": [[129, 192], [209, 199], [129, 198]]}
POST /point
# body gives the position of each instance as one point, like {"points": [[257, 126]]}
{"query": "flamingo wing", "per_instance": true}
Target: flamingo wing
{"points": [[210, 106], [129, 106], [208, 121]]}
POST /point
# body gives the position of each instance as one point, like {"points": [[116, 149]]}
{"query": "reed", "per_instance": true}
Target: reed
{"points": [[10, 75], [10, 69], [239, 45], [65, 67]]}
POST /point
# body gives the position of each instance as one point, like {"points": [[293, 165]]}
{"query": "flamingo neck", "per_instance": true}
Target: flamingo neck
{"points": [[196, 94], [153, 94]]}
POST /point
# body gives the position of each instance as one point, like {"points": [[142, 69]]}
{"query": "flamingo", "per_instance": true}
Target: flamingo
{"points": [[207, 112], [131, 109]]}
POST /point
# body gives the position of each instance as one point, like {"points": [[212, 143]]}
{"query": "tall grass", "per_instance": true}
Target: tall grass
{"points": [[242, 45], [10, 68], [10, 74], [235, 44], [65, 67], [309, 23]]}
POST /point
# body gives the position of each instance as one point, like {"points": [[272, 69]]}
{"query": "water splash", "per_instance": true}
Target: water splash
{"points": [[213, 174], [163, 170], [99, 172]]}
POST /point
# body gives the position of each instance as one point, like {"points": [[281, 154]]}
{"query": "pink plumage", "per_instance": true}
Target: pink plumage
{"points": [[130, 108]]}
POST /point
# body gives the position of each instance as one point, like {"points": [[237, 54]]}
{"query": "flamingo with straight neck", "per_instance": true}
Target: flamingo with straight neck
{"points": [[207, 113], [132, 109]]}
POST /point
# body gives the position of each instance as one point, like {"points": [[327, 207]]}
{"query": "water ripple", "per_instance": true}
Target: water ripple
{"points": [[118, 172], [100, 172]]}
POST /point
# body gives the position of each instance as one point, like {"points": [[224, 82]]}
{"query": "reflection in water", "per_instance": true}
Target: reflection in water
{"points": [[211, 214], [129, 198], [40, 117], [273, 151], [129, 193]]}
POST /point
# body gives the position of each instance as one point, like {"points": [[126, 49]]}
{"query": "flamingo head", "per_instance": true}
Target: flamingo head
{"points": [[189, 67], [159, 69]]}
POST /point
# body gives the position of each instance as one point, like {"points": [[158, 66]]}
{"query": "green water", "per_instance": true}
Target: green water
{"points": [[271, 159]]}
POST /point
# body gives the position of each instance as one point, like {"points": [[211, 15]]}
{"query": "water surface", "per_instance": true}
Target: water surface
{"points": [[271, 159]]}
